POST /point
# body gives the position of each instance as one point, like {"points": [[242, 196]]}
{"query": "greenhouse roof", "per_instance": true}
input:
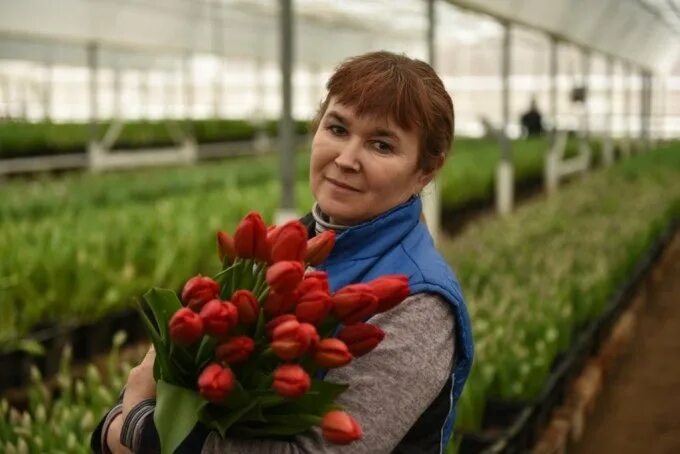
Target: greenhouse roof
{"points": [[645, 33]]}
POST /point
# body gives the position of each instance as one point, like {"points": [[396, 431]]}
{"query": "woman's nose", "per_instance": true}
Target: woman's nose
{"points": [[348, 158]]}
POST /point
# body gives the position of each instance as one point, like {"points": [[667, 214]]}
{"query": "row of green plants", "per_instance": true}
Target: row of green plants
{"points": [[24, 139], [61, 419], [534, 279], [530, 281], [81, 247], [468, 175]]}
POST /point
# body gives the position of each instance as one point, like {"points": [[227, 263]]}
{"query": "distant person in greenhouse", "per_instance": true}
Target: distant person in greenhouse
{"points": [[380, 136], [532, 121]]}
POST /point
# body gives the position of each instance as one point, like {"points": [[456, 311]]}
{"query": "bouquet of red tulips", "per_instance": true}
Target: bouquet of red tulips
{"points": [[239, 351]]}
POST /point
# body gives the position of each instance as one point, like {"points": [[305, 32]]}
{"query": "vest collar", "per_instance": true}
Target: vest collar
{"points": [[378, 235]]}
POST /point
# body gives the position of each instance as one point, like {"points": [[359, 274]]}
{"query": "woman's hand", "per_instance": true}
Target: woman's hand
{"points": [[140, 386]]}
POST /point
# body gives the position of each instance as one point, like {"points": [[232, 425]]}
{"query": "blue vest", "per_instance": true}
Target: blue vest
{"points": [[398, 243]]}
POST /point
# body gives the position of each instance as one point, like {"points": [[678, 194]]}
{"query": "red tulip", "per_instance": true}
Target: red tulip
{"points": [[292, 339], [291, 380], [186, 327], [354, 303], [361, 338], [390, 290], [320, 247], [199, 290], [216, 382], [313, 306], [277, 304], [284, 277], [219, 317], [225, 246], [247, 305], [309, 336], [271, 325], [340, 428], [288, 242], [331, 353], [250, 238], [314, 280], [235, 350]]}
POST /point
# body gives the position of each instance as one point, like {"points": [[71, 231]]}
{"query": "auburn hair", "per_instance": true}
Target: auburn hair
{"points": [[403, 89]]}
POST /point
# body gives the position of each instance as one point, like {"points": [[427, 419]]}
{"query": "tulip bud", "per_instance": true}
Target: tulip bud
{"points": [[291, 380], [284, 277], [219, 317], [247, 305], [331, 353], [354, 303], [390, 290], [361, 338], [186, 327], [199, 290], [225, 246], [250, 238], [309, 336], [277, 304], [320, 247], [288, 242], [291, 339], [340, 428], [271, 325], [235, 350], [313, 307], [215, 382], [314, 280], [284, 340]]}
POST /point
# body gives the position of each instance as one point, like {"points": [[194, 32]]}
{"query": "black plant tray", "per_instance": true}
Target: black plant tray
{"points": [[87, 339], [513, 426]]}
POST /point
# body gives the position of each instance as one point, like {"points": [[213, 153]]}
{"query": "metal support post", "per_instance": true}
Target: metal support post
{"points": [[608, 144], [431, 194], [504, 172], [94, 151], [286, 141]]}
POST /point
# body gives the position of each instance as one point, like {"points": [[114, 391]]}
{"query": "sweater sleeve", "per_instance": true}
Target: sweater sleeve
{"points": [[390, 387]]}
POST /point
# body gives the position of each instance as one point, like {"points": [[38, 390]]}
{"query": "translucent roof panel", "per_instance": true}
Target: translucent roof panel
{"points": [[640, 32], [644, 32]]}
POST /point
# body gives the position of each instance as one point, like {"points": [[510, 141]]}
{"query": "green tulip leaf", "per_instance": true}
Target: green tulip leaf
{"points": [[215, 418], [176, 414], [163, 303]]}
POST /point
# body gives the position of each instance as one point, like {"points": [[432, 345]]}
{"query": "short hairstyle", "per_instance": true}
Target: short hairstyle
{"points": [[406, 90]]}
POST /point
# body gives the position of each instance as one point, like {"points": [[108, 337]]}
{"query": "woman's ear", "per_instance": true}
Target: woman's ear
{"points": [[425, 177]]}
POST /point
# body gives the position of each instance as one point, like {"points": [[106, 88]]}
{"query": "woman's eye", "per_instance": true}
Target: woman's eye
{"points": [[337, 130], [382, 147]]}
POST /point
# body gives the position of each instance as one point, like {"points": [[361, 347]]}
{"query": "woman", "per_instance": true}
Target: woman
{"points": [[380, 136]]}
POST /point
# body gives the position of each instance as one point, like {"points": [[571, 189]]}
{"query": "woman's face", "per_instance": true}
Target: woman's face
{"points": [[362, 166]]}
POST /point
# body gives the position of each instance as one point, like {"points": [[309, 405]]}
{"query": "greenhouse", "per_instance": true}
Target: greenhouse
{"points": [[269, 226]]}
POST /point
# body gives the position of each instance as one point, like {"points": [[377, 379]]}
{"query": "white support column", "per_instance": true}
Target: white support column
{"points": [[627, 147], [94, 150], [262, 141], [608, 143], [554, 70], [218, 50], [189, 147], [584, 130], [504, 172], [645, 109], [431, 194], [46, 91], [117, 93]]}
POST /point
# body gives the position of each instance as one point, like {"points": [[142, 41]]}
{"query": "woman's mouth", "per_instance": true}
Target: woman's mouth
{"points": [[342, 185]]}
